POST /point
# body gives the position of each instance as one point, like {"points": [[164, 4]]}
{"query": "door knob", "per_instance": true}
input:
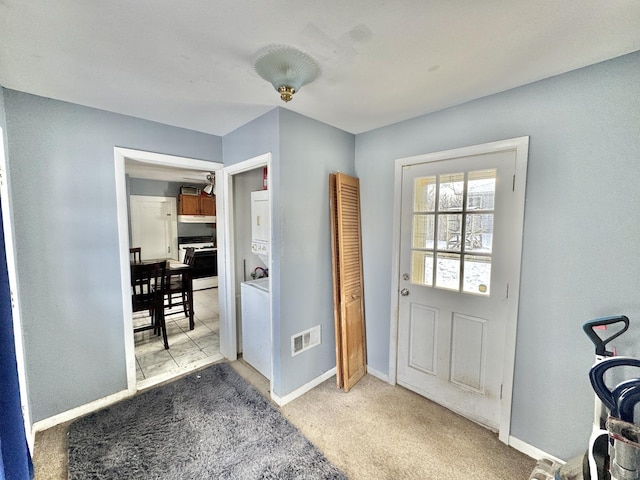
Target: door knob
{"points": [[404, 292]]}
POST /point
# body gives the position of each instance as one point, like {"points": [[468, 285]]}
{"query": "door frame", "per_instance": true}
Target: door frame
{"points": [[120, 155], [227, 267], [521, 146]]}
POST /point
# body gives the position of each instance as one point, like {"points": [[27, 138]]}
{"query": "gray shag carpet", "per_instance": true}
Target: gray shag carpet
{"points": [[210, 425]]}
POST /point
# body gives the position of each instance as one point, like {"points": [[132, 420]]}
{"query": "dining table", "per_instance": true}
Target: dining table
{"points": [[176, 267]]}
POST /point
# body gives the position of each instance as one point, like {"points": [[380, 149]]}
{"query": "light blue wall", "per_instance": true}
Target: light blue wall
{"points": [[310, 150], [252, 139], [579, 260], [258, 137], [153, 188], [3, 121], [63, 202], [304, 151]]}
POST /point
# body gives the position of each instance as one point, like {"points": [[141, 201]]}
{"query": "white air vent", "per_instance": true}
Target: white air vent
{"points": [[305, 340]]}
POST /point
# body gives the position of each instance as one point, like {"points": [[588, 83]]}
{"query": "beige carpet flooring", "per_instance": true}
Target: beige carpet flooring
{"points": [[374, 432]]}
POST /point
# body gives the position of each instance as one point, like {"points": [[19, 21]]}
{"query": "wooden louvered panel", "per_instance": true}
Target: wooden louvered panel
{"points": [[333, 207], [348, 289]]}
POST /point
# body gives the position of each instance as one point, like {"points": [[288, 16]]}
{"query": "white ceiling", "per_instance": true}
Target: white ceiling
{"points": [[190, 63]]}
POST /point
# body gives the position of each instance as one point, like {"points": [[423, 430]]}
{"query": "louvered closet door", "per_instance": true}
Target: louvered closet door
{"points": [[348, 281]]}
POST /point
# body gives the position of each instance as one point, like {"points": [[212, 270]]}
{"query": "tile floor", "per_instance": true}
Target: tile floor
{"points": [[185, 346]]}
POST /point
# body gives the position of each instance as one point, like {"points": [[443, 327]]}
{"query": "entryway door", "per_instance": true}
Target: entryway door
{"points": [[154, 226], [459, 262]]}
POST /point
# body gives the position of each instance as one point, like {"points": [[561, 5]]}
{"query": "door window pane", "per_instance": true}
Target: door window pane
{"points": [[453, 231], [451, 192], [481, 190], [477, 275], [448, 271], [423, 231], [479, 232], [424, 194], [449, 232], [422, 268]]}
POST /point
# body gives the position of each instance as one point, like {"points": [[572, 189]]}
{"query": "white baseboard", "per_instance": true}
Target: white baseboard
{"points": [[117, 397], [281, 401], [376, 373], [204, 283], [81, 410], [531, 451]]}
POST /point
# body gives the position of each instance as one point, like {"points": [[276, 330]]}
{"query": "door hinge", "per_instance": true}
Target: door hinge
{"points": [[501, 391], [513, 185], [507, 290], [169, 249]]}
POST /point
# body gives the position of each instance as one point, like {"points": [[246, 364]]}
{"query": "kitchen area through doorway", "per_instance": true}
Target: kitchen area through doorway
{"points": [[172, 218]]}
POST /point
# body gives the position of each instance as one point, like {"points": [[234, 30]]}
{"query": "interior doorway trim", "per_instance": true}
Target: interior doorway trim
{"points": [[521, 146], [120, 155], [227, 272]]}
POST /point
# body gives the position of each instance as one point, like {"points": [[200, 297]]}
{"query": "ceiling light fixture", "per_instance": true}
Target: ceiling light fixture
{"points": [[286, 68]]}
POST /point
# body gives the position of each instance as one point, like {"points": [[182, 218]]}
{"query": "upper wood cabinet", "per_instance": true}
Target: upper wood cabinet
{"points": [[208, 205], [196, 205]]}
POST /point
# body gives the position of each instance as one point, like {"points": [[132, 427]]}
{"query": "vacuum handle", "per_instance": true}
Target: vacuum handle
{"points": [[596, 375], [601, 343], [627, 402]]}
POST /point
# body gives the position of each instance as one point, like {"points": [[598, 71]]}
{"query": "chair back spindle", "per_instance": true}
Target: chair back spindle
{"points": [[135, 254]]}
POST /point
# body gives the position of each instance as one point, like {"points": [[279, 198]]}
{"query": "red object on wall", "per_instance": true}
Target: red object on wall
{"points": [[265, 178]]}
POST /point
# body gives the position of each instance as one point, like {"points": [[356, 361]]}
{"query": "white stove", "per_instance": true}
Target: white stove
{"points": [[205, 266]]}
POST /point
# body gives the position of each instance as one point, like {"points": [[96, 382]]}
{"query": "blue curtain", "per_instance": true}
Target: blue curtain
{"points": [[15, 461]]}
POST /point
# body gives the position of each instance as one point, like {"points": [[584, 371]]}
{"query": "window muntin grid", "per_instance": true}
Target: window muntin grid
{"points": [[448, 208]]}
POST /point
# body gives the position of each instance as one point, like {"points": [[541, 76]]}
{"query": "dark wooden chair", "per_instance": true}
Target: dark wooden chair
{"points": [[147, 294], [179, 291], [135, 255]]}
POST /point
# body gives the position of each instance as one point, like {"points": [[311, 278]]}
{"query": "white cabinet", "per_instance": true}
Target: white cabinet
{"points": [[256, 325], [260, 224]]}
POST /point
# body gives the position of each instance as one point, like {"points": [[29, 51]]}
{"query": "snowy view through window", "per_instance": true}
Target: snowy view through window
{"points": [[450, 208]]}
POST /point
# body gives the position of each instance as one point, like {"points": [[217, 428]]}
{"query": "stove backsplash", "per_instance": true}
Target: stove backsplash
{"points": [[196, 230]]}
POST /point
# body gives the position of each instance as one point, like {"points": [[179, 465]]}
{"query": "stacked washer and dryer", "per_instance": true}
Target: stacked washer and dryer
{"points": [[255, 297]]}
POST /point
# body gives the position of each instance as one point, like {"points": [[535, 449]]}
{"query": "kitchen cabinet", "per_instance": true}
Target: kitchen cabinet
{"points": [[197, 205], [260, 223]]}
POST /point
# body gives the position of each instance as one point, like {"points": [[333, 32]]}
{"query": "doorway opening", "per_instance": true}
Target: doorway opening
{"points": [[190, 348], [234, 235]]}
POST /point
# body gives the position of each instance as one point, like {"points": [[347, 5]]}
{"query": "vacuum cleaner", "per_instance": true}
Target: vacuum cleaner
{"points": [[594, 464], [623, 433]]}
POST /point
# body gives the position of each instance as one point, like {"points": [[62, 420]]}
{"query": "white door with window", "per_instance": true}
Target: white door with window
{"points": [[460, 244], [154, 226]]}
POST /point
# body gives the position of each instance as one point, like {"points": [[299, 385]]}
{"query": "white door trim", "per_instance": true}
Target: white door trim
{"points": [[227, 271], [521, 147], [120, 154], [12, 269]]}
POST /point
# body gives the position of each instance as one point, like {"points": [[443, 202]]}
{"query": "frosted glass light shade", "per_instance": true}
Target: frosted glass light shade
{"points": [[286, 68]]}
